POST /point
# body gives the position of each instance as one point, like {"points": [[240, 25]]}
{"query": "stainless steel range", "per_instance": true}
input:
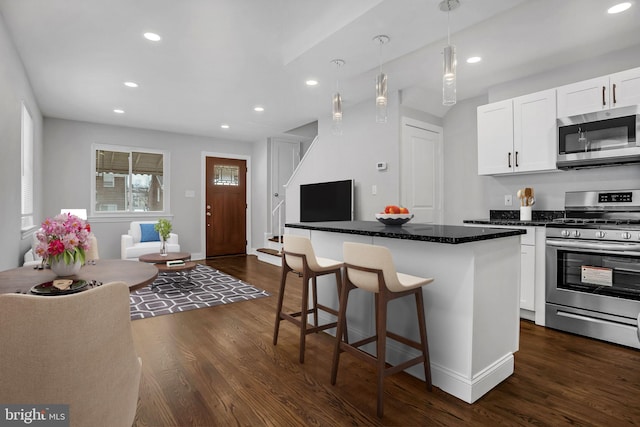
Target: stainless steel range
{"points": [[593, 267]]}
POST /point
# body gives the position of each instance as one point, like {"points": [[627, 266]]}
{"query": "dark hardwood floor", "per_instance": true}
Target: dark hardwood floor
{"points": [[218, 367]]}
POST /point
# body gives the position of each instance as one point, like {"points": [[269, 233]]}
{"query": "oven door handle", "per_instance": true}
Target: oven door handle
{"points": [[599, 246]]}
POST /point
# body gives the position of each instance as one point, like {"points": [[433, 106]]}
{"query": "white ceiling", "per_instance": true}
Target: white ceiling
{"points": [[220, 58]]}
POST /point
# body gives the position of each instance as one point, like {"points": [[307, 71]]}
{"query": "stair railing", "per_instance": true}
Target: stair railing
{"points": [[278, 209]]}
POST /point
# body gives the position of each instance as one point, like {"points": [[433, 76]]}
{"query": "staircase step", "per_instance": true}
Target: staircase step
{"points": [[269, 251], [270, 256]]}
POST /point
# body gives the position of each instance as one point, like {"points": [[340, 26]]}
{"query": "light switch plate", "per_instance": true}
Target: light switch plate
{"points": [[508, 201]]}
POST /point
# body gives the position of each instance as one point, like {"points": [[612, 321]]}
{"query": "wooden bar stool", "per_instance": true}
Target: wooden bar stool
{"points": [[299, 257], [371, 268]]}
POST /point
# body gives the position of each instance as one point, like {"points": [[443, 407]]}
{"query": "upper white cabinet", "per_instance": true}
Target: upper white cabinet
{"points": [[602, 93], [518, 135], [495, 138]]}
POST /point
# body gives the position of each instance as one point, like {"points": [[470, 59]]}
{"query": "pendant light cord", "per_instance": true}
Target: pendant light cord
{"points": [[448, 25], [380, 56]]}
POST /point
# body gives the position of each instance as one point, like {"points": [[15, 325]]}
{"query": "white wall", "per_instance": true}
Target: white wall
{"points": [[67, 172], [353, 155], [15, 89], [464, 192], [260, 212]]}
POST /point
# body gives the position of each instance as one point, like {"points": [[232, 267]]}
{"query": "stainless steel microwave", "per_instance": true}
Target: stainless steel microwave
{"points": [[603, 138]]}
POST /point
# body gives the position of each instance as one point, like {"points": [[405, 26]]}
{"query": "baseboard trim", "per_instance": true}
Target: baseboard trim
{"points": [[454, 383]]}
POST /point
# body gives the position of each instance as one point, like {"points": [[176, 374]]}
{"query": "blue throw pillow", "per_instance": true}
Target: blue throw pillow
{"points": [[149, 233]]}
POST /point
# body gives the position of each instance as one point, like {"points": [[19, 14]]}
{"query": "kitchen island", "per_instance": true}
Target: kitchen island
{"points": [[471, 308]]}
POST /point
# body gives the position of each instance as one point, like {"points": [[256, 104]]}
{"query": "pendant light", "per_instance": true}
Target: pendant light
{"points": [[449, 58], [381, 84], [336, 102]]}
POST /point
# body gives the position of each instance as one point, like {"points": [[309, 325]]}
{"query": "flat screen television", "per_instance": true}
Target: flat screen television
{"points": [[327, 201]]}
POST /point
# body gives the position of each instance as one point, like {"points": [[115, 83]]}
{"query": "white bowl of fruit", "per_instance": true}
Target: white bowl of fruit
{"points": [[394, 215]]}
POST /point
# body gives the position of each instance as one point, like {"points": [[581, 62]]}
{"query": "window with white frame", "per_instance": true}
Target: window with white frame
{"points": [[26, 169], [129, 180]]}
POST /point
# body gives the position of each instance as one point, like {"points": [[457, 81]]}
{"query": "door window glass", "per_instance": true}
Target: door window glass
{"points": [[226, 175]]}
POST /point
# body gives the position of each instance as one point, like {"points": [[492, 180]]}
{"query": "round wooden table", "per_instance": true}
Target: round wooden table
{"points": [[136, 274], [156, 258]]}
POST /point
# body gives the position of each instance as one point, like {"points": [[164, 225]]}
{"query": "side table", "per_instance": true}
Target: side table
{"points": [[181, 270], [160, 262]]}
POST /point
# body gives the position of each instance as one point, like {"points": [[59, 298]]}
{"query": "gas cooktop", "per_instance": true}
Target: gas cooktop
{"points": [[559, 222], [601, 210]]}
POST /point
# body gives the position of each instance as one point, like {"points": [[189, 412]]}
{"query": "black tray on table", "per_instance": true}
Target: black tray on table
{"points": [[47, 288]]}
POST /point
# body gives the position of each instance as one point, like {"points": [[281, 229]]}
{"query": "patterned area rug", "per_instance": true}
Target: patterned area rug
{"points": [[208, 287]]}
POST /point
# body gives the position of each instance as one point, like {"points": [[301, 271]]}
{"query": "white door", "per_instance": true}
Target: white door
{"points": [[285, 156], [421, 159]]}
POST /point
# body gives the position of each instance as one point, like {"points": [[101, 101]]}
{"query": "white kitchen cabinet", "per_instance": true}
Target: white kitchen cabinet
{"points": [[601, 93], [627, 84], [495, 138], [532, 271], [535, 132], [518, 135], [527, 276]]}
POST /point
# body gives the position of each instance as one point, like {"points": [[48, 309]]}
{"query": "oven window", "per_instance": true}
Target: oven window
{"points": [[602, 274]]}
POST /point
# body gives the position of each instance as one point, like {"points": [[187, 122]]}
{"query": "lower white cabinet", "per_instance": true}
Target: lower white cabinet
{"points": [[527, 276], [532, 271]]}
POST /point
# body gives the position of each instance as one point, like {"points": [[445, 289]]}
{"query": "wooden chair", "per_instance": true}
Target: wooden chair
{"points": [[299, 257], [371, 268], [73, 349]]}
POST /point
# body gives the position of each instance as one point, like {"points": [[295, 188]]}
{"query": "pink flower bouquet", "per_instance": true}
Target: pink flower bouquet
{"points": [[63, 238]]}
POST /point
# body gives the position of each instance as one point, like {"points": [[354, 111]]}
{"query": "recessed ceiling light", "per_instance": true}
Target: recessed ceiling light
{"points": [[311, 82], [152, 36], [224, 126], [118, 111], [258, 108], [131, 84], [620, 7], [473, 59]]}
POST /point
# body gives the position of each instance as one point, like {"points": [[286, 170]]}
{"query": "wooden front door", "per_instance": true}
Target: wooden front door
{"points": [[226, 206]]}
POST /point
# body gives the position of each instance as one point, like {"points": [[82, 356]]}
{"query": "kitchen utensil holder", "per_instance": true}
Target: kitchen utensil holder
{"points": [[525, 213]]}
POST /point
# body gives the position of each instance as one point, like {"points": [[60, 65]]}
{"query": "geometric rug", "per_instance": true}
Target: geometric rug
{"points": [[208, 288]]}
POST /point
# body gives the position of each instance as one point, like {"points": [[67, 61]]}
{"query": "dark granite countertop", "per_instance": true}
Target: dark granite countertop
{"points": [[452, 234], [539, 218], [507, 222]]}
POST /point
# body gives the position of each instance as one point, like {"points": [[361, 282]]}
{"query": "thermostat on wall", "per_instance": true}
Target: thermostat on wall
{"points": [[381, 166]]}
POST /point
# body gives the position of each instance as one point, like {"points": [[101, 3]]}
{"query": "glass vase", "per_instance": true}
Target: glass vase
{"points": [[163, 248]]}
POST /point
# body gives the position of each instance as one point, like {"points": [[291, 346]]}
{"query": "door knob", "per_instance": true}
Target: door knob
{"points": [[208, 206], [275, 194], [208, 213]]}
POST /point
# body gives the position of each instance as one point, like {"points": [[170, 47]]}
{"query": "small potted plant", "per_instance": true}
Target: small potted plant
{"points": [[163, 227]]}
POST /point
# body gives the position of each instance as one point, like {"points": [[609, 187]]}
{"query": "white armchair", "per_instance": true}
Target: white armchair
{"points": [[31, 257], [141, 240]]}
